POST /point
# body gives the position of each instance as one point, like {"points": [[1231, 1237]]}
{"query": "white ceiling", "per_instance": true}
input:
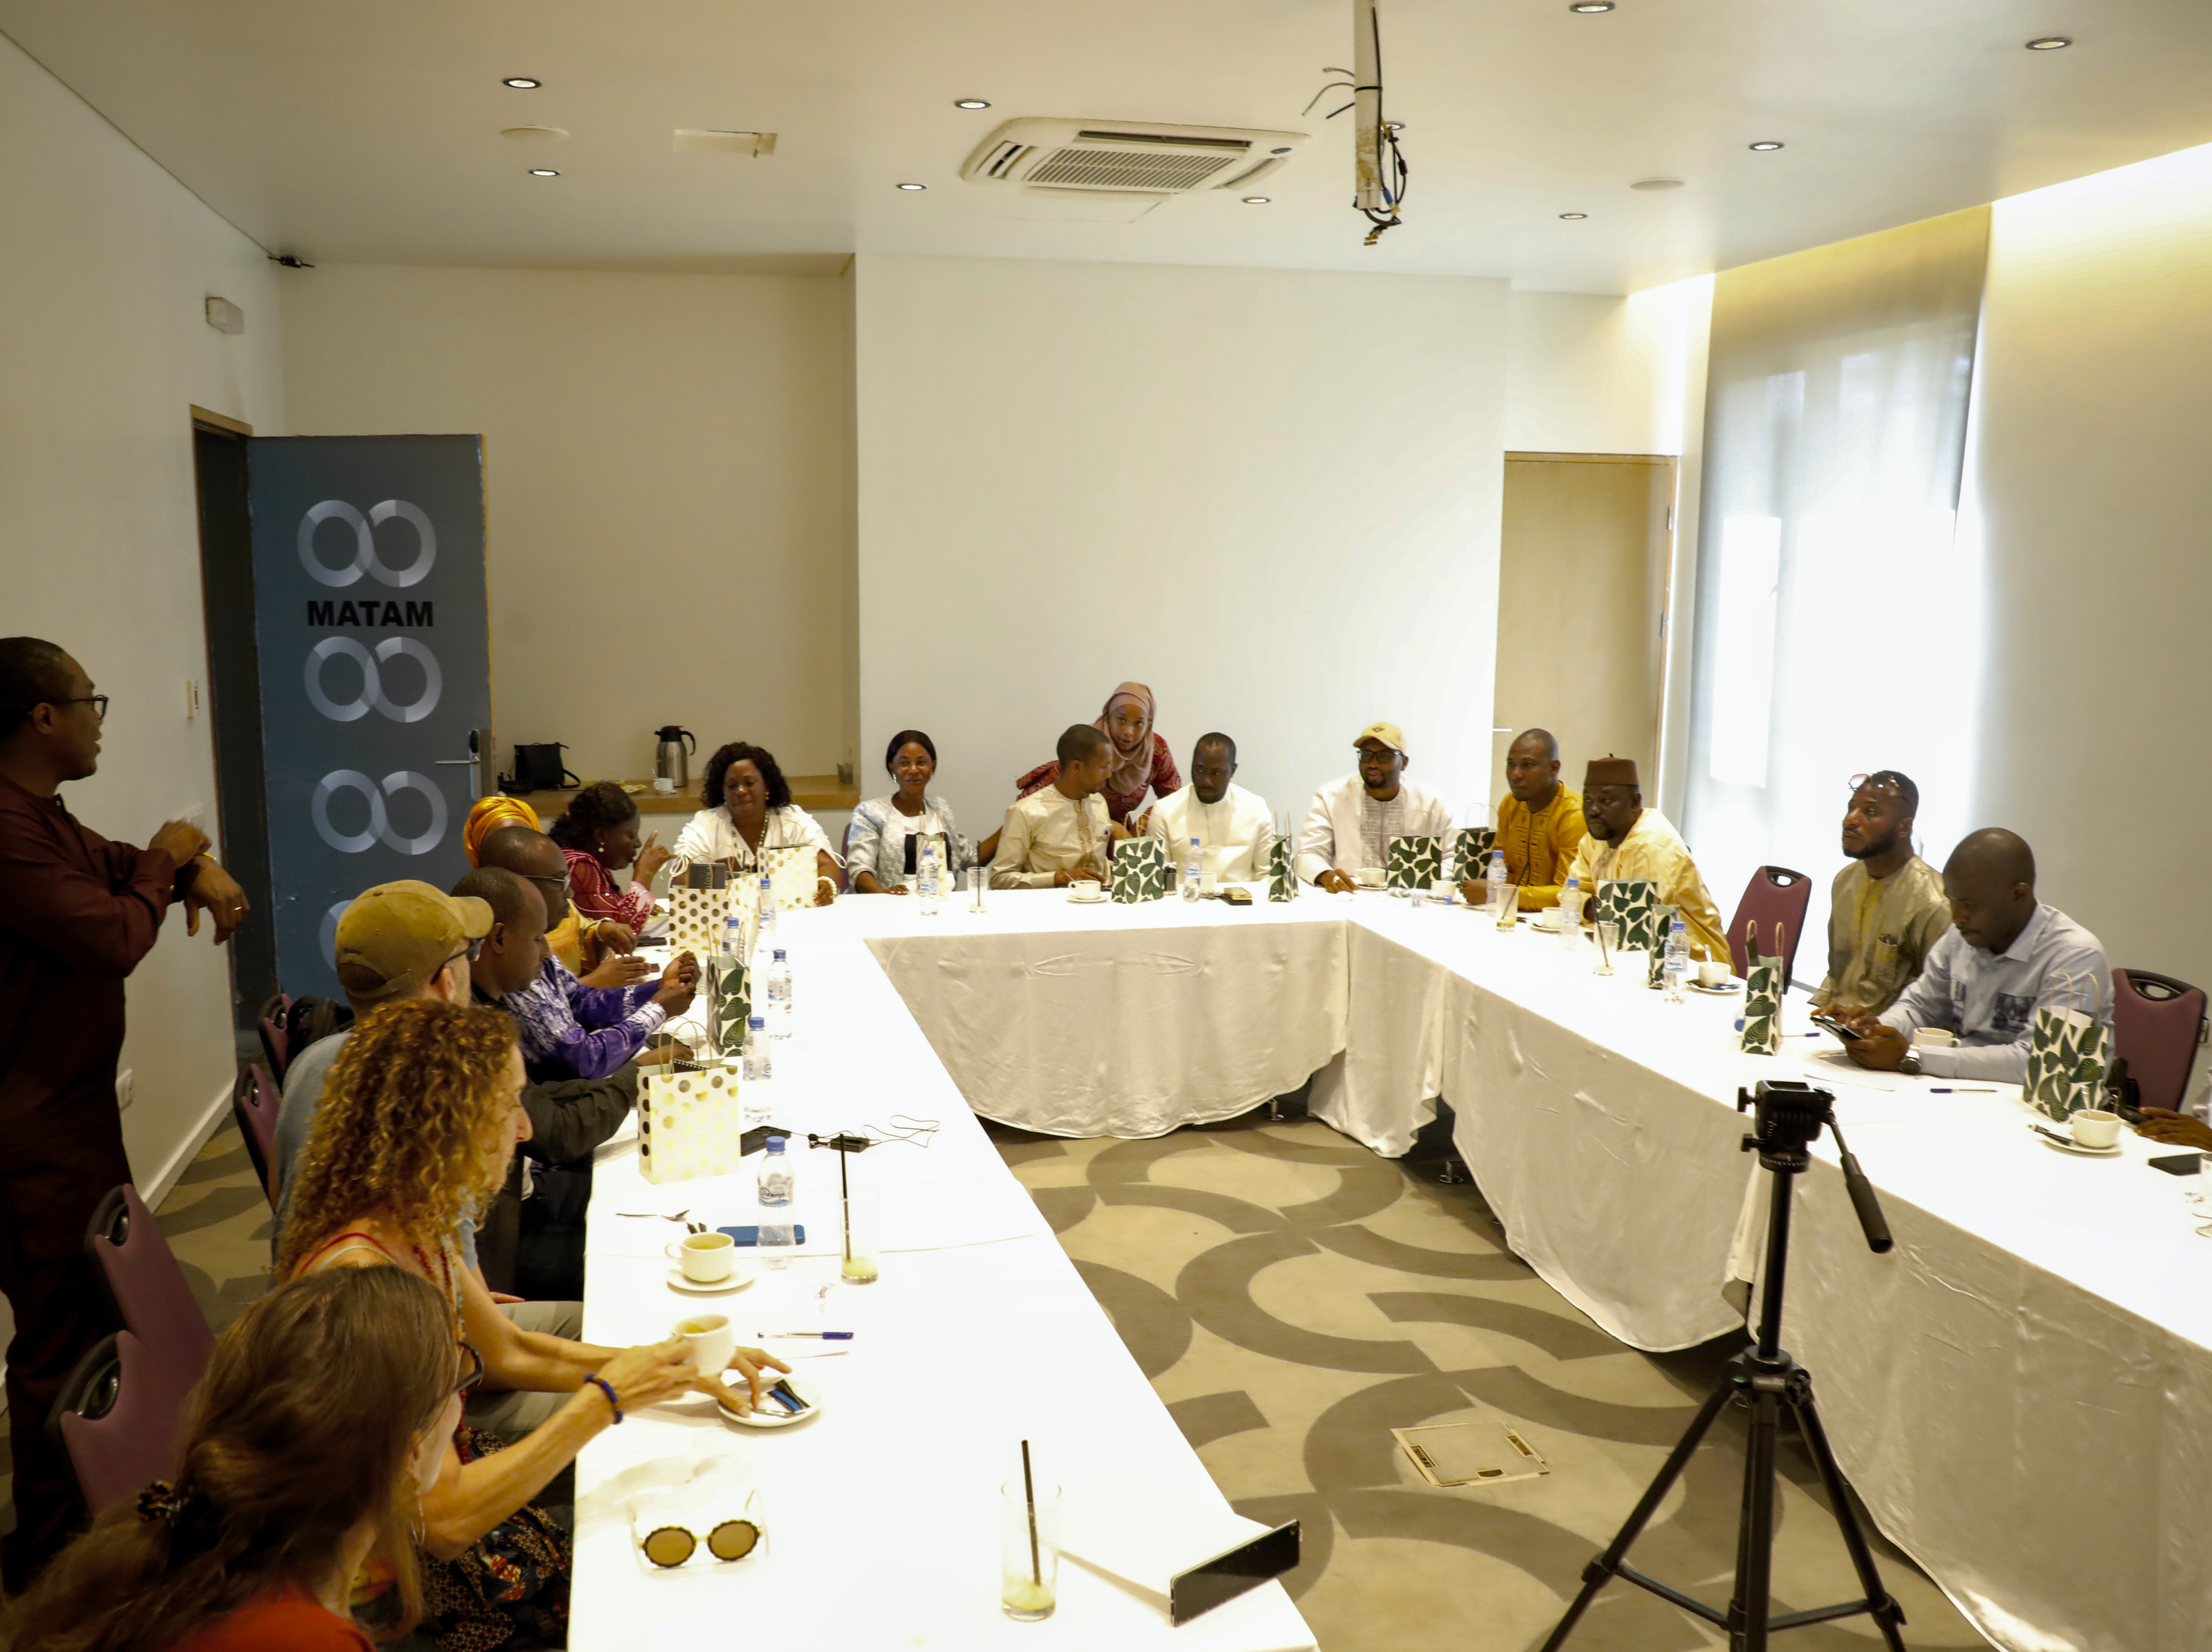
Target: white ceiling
{"points": [[369, 132]]}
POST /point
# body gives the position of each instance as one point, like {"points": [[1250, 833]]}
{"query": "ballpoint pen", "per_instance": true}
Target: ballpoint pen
{"points": [[1962, 1089], [833, 1336]]}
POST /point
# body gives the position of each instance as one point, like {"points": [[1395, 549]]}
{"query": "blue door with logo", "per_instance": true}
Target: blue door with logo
{"points": [[375, 673]]}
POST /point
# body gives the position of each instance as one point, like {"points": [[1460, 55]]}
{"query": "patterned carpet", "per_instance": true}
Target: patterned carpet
{"points": [[1293, 1298]]}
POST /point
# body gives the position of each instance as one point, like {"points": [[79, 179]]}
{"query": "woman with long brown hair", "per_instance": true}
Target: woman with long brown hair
{"points": [[419, 1118], [323, 1415]]}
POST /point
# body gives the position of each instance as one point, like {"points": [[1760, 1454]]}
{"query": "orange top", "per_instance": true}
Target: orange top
{"points": [[284, 1621]]}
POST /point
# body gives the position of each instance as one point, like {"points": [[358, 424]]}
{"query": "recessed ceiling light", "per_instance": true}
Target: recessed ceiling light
{"points": [[1257, 200], [970, 103], [1591, 8], [1574, 217], [1656, 183], [2051, 43], [521, 82], [913, 186], [543, 171], [1764, 144]]}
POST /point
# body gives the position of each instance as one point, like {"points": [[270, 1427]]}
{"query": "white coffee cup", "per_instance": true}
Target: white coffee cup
{"points": [[705, 1258], [1934, 1038], [711, 1338], [1370, 876], [663, 785], [2095, 1127], [1712, 972]]}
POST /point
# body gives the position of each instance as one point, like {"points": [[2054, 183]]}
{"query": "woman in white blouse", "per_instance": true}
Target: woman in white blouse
{"points": [[887, 831], [748, 811]]}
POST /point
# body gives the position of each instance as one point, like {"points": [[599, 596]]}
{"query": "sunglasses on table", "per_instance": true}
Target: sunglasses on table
{"points": [[671, 1546]]}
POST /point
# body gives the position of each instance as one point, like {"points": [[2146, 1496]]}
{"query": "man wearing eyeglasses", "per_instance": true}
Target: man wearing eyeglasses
{"points": [[78, 913], [1887, 910]]}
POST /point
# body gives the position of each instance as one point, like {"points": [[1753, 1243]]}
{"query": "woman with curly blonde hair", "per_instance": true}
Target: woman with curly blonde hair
{"points": [[420, 1115], [278, 1496]]}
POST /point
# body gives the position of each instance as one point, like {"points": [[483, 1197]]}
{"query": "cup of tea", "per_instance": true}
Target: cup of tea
{"points": [[1712, 972], [705, 1258], [2095, 1127], [710, 1337], [1370, 876], [1934, 1038]]}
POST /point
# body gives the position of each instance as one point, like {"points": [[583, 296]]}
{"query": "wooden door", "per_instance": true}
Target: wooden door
{"points": [[1586, 549]]}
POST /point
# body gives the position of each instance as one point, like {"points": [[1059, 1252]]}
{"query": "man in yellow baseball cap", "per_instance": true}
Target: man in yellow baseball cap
{"points": [[1352, 820]]}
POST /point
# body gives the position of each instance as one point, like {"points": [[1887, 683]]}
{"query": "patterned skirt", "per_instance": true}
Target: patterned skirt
{"points": [[510, 1589]]}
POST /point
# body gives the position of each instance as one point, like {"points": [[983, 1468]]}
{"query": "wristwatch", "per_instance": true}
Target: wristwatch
{"points": [[1909, 1064]]}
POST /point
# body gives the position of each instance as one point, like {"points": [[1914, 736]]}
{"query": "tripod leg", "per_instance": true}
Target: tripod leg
{"points": [[1607, 1566], [1886, 1612], [1754, 1551]]}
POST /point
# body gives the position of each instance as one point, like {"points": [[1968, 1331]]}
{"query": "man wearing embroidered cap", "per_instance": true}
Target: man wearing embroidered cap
{"points": [[1627, 839], [1352, 820]]}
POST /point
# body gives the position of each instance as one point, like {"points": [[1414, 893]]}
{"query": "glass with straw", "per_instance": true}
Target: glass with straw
{"points": [[1028, 1548]]}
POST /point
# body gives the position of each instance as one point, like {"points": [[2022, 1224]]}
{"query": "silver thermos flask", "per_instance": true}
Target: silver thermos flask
{"points": [[672, 758]]}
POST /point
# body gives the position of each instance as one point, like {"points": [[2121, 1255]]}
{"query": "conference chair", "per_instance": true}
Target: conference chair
{"points": [[2157, 1024], [117, 1420], [1775, 895], [147, 1285], [276, 1041], [253, 1103]]}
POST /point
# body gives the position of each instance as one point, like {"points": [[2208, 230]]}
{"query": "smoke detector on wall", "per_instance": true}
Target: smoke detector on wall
{"points": [[1126, 157]]}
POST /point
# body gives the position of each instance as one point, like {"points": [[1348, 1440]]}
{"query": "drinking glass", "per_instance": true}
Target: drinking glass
{"points": [[1608, 943], [1509, 907], [1029, 1552], [979, 878], [860, 1216]]}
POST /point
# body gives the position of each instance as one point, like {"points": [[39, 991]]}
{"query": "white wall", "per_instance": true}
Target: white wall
{"points": [[2090, 474], [1592, 374], [107, 263], [1271, 495], [667, 464]]}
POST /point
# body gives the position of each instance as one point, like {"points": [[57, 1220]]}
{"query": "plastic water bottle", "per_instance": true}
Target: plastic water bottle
{"points": [[775, 1176], [1496, 889], [1193, 868], [1676, 963], [1571, 912], [765, 936], [778, 996], [928, 886], [756, 1094]]}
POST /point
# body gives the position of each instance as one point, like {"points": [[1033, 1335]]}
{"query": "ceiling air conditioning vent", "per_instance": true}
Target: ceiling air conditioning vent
{"points": [[1125, 157]]}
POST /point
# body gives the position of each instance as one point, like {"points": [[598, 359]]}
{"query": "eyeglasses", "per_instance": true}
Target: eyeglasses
{"points": [[473, 1367], [560, 883], [671, 1546], [1858, 781], [97, 702], [472, 952]]}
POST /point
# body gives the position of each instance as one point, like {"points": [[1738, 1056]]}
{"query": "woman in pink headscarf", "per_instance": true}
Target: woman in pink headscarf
{"points": [[1142, 762]]}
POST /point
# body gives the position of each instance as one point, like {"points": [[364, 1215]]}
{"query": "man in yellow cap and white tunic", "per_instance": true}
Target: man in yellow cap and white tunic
{"points": [[1352, 820], [1627, 839]]}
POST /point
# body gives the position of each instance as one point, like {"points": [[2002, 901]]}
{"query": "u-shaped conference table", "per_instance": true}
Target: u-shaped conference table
{"points": [[2021, 1391]]}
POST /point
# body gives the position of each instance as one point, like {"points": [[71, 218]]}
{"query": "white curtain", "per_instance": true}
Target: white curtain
{"points": [[1837, 609]]}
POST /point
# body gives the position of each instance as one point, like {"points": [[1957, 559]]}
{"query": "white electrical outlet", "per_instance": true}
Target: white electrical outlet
{"points": [[126, 1087], [191, 698]]}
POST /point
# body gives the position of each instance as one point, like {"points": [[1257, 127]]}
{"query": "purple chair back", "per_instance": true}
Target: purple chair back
{"points": [[275, 1039], [2157, 1023], [119, 1417], [1775, 895], [254, 1105], [151, 1296]]}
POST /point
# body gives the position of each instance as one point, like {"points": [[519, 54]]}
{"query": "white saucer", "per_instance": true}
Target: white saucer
{"points": [[1731, 985], [2076, 1148], [740, 1277], [806, 1388], [1085, 899]]}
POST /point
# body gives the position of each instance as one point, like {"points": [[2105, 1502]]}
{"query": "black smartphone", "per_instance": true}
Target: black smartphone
{"points": [[2179, 1165], [756, 1138], [1848, 1035], [1231, 1574]]}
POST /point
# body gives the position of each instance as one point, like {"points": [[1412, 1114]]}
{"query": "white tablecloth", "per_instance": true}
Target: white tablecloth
{"points": [[882, 1511]]}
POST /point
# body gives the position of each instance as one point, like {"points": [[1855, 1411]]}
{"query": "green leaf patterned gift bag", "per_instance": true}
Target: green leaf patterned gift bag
{"points": [[1630, 902], [2068, 1053], [729, 1002], [1471, 847], [1412, 863], [1663, 919], [1282, 870], [1139, 871], [1762, 995]]}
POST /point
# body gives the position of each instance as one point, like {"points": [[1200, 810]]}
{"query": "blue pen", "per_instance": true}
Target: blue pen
{"points": [[1962, 1089], [827, 1336]]}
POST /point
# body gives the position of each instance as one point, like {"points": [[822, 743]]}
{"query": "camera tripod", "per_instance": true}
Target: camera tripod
{"points": [[1764, 1378]]}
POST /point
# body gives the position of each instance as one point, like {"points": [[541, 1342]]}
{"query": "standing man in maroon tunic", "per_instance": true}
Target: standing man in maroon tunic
{"points": [[76, 913]]}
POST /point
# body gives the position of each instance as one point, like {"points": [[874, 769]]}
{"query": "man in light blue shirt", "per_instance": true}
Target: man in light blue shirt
{"points": [[2005, 956]]}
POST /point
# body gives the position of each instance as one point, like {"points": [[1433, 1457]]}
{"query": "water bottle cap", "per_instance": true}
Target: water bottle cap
{"points": [[757, 1023], [776, 1143], [779, 954]]}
